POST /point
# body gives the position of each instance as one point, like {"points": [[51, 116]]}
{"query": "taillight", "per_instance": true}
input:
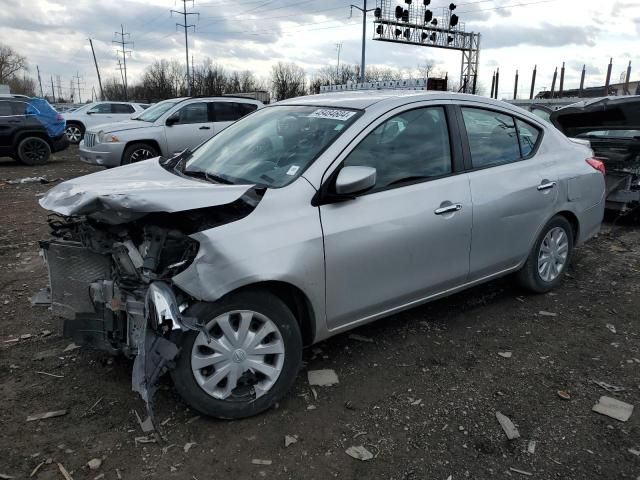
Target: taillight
{"points": [[59, 117], [597, 164]]}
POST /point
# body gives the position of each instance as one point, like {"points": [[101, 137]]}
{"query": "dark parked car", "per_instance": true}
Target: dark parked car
{"points": [[30, 129]]}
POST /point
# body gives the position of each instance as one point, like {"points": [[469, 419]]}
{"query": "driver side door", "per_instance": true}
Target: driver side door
{"points": [[194, 125], [407, 238]]}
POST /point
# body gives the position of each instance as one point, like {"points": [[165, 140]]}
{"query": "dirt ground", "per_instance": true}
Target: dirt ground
{"points": [[421, 394]]}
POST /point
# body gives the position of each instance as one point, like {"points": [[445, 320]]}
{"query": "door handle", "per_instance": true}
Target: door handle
{"points": [[546, 186], [204, 128], [448, 209]]}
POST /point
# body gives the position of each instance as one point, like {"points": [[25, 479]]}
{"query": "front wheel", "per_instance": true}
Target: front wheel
{"points": [[247, 362], [138, 152], [549, 257], [74, 133]]}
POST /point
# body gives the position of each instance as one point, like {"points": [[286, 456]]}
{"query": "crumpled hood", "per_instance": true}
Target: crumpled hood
{"points": [[119, 126], [125, 193]]}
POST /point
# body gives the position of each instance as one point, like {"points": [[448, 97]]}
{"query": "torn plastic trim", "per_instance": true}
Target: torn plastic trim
{"points": [[161, 308]]}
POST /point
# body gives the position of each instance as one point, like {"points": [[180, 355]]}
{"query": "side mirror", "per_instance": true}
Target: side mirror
{"points": [[90, 113], [172, 120], [353, 180]]}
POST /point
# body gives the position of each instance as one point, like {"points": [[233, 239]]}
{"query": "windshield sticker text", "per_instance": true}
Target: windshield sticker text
{"points": [[293, 169], [342, 115]]}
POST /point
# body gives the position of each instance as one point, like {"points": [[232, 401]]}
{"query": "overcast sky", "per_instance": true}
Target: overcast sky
{"points": [[254, 34]]}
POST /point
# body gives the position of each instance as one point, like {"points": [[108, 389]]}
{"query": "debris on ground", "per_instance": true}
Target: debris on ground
{"points": [[4, 476], [360, 338], [635, 452], [359, 453], [612, 328], [531, 447], [505, 354], [257, 461], [322, 378], [147, 425], [614, 408], [49, 374], [521, 472], [608, 387], [71, 347], [35, 470], [138, 440], [564, 395], [507, 425], [43, 180], [289, 440], [94, 464], [64, 472], [188, 446], [542, 313], [42, 416]]}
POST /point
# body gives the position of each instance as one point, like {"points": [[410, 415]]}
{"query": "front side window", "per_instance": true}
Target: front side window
{"points": [[154, 112], [193, 113], [411, 146], [492, 137], [271, 147], [100, 108]]}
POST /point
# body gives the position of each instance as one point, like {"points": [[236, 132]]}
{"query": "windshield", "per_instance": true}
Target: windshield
{"points": [[270, 147], [154, 112]]}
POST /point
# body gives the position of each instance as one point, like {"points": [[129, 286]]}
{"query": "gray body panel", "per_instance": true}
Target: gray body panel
{"points": [[364, 258]]}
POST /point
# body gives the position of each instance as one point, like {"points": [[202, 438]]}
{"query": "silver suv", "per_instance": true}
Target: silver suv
{"points": [[166, 128], [305, 219]]}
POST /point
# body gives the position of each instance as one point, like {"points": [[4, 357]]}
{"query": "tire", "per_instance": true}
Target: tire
{"points": [[34, 151], [137, 152], [533, 273], [74, 132], [242, 401]]}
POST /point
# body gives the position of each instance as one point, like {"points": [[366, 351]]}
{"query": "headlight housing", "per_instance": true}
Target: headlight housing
{"points": [[105, 137]]}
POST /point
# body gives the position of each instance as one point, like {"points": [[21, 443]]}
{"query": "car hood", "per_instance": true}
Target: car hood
{"points": [[119, 126], [605, 113], [125, 193]]}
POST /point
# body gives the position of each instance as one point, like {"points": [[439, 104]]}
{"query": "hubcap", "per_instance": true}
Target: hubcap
{"points": [[553, 253], [73, 134], [35, 150], [241, 358], [141, 154]]}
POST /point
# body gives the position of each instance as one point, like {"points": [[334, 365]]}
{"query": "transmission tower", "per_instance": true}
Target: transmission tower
{"points": [[59, 86], [77, 78], [123, 42], [186, 27]]}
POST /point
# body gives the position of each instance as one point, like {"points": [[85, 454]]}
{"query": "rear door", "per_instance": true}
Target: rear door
{"points": [[408, 237], [194, 126], [227, 112], [9, 123], [513, 187]]}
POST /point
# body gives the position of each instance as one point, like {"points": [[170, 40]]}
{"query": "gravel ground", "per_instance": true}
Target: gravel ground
{"points": [[419, 390]]}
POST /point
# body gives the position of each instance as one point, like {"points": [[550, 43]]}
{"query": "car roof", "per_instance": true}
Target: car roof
{"points": [[366, 98]]}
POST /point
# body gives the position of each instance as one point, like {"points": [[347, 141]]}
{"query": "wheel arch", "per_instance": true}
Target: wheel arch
{"points": [[76, 122], [31, 133], [295, 299], [154, 143], [573, 221]]}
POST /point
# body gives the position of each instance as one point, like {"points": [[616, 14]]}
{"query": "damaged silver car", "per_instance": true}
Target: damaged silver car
{"points": [[305, 219]]}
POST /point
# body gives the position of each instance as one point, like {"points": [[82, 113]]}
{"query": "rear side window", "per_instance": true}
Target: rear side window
{"points": [[5, 109], [19, 108], [101, 108], [492, 137], [121, 108], [528, 137], [232, 111]]}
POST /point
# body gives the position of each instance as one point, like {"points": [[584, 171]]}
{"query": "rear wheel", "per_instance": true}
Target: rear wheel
{"points": [[33, 151], [74, 132], [137, 152], [549, 257], [249, 359]]}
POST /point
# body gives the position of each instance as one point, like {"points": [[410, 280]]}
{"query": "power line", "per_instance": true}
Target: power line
{"points": [[122, 42], [186, 27]]}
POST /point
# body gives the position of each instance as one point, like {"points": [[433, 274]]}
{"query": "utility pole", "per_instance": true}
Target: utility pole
{"points": [[123, 43], [122, 76], [77, 77], [97, 70], [338, 47], [186, 27], [364, 11], [59, 85], [53, 90], [40, 81]]}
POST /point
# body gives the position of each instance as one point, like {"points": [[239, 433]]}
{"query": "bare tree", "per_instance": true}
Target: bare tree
{"points": [[287, 80], [22, 85], [11, 63], [113, 89], [425, 69]]}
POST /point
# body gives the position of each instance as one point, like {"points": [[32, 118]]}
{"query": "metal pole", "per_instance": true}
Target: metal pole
{"points": [[40, 81], [515, 87], [124, 63], [533, 82], [584, 71], [627, 79], [53, 91], [97, 70], [339, 47], [364, 39], [186, 46], [78, 78], [553, 84], [561, 81], [608, 80], [493, 83], [475, 77], [497, 82]]}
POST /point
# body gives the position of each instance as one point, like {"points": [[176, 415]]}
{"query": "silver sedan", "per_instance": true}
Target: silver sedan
{"points": [[305, 219]]}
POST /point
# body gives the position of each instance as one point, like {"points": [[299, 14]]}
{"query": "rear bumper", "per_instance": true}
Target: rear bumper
{"points": [[59, 143], [106, 155]]}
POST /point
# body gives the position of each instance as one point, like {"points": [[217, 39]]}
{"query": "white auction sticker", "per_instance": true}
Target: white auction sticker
{"points": [[333, 114], [293, 169]]}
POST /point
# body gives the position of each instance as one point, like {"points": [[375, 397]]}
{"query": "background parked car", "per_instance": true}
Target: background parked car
{"points": [[97, 113], [30, 129], [166, 128]]}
